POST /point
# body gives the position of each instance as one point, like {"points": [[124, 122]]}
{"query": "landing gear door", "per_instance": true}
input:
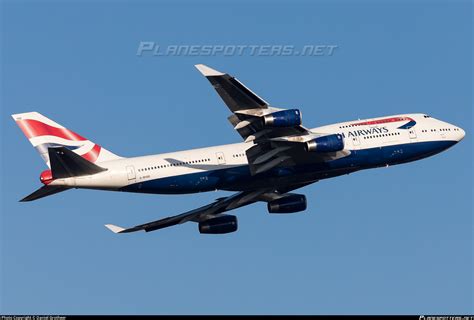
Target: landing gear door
{"points": [[131, 173]]}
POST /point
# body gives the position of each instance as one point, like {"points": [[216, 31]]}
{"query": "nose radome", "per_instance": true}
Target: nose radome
{"points": [[462, 133]]}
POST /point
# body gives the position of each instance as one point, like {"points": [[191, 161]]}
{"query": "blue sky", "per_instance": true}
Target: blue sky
{"points": [[396, 240]]}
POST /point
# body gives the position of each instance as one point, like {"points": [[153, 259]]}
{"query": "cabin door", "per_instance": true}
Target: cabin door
{"points": [[131, 173], [220, 158]]}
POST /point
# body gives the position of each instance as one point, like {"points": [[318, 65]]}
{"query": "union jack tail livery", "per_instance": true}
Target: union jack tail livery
{"points": [[44, 133]]}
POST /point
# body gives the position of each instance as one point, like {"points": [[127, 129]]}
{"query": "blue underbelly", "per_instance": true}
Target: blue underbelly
{"points": [[239, 178]]}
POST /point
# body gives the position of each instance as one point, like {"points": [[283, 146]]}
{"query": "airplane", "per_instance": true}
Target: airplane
{"points": [[277, 156]]}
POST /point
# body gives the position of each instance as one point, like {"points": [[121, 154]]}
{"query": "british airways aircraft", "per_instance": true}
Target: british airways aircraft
{"points": [[278, 156]]}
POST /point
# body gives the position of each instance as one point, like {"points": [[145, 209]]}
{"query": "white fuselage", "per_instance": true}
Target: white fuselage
{"points": [[197, 170]]}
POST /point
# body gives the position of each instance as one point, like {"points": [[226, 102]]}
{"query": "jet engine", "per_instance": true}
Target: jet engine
{"points": [[329, 143], [284, 118], [219, 225], [288, 204]]}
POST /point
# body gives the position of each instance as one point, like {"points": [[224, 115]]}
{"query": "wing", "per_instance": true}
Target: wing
{"points": [[278, 136], [214, 209], [247, 107], [200, 214], [235, 95]]}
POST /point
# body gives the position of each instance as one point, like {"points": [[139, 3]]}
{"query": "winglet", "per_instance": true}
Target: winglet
{"points": [[114, 229], [208, 72]]}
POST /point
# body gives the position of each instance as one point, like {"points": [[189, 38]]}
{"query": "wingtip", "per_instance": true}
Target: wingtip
{"points": [[114, 228], [207, 71]]}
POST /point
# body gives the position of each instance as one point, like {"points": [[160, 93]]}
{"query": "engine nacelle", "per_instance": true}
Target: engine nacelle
{"points": [[284, 118], [289, 204], [330, 143], [219, 225]]}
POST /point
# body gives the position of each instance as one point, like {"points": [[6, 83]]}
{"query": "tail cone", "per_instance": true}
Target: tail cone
{"points": [[46, 177]]}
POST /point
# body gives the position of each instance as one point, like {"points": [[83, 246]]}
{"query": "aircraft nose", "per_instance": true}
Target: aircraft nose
{"points": [[461, 134]]}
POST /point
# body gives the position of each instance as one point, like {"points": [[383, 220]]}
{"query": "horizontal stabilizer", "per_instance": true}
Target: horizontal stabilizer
{"points": [[44, 192], [66, 164]]}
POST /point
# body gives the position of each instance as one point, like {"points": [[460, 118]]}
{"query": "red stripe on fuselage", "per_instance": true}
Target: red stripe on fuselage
{"points": [[34, 128], [380, 121]]}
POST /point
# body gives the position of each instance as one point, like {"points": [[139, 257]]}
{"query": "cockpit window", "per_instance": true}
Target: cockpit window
{"points": [[426, 116]]}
